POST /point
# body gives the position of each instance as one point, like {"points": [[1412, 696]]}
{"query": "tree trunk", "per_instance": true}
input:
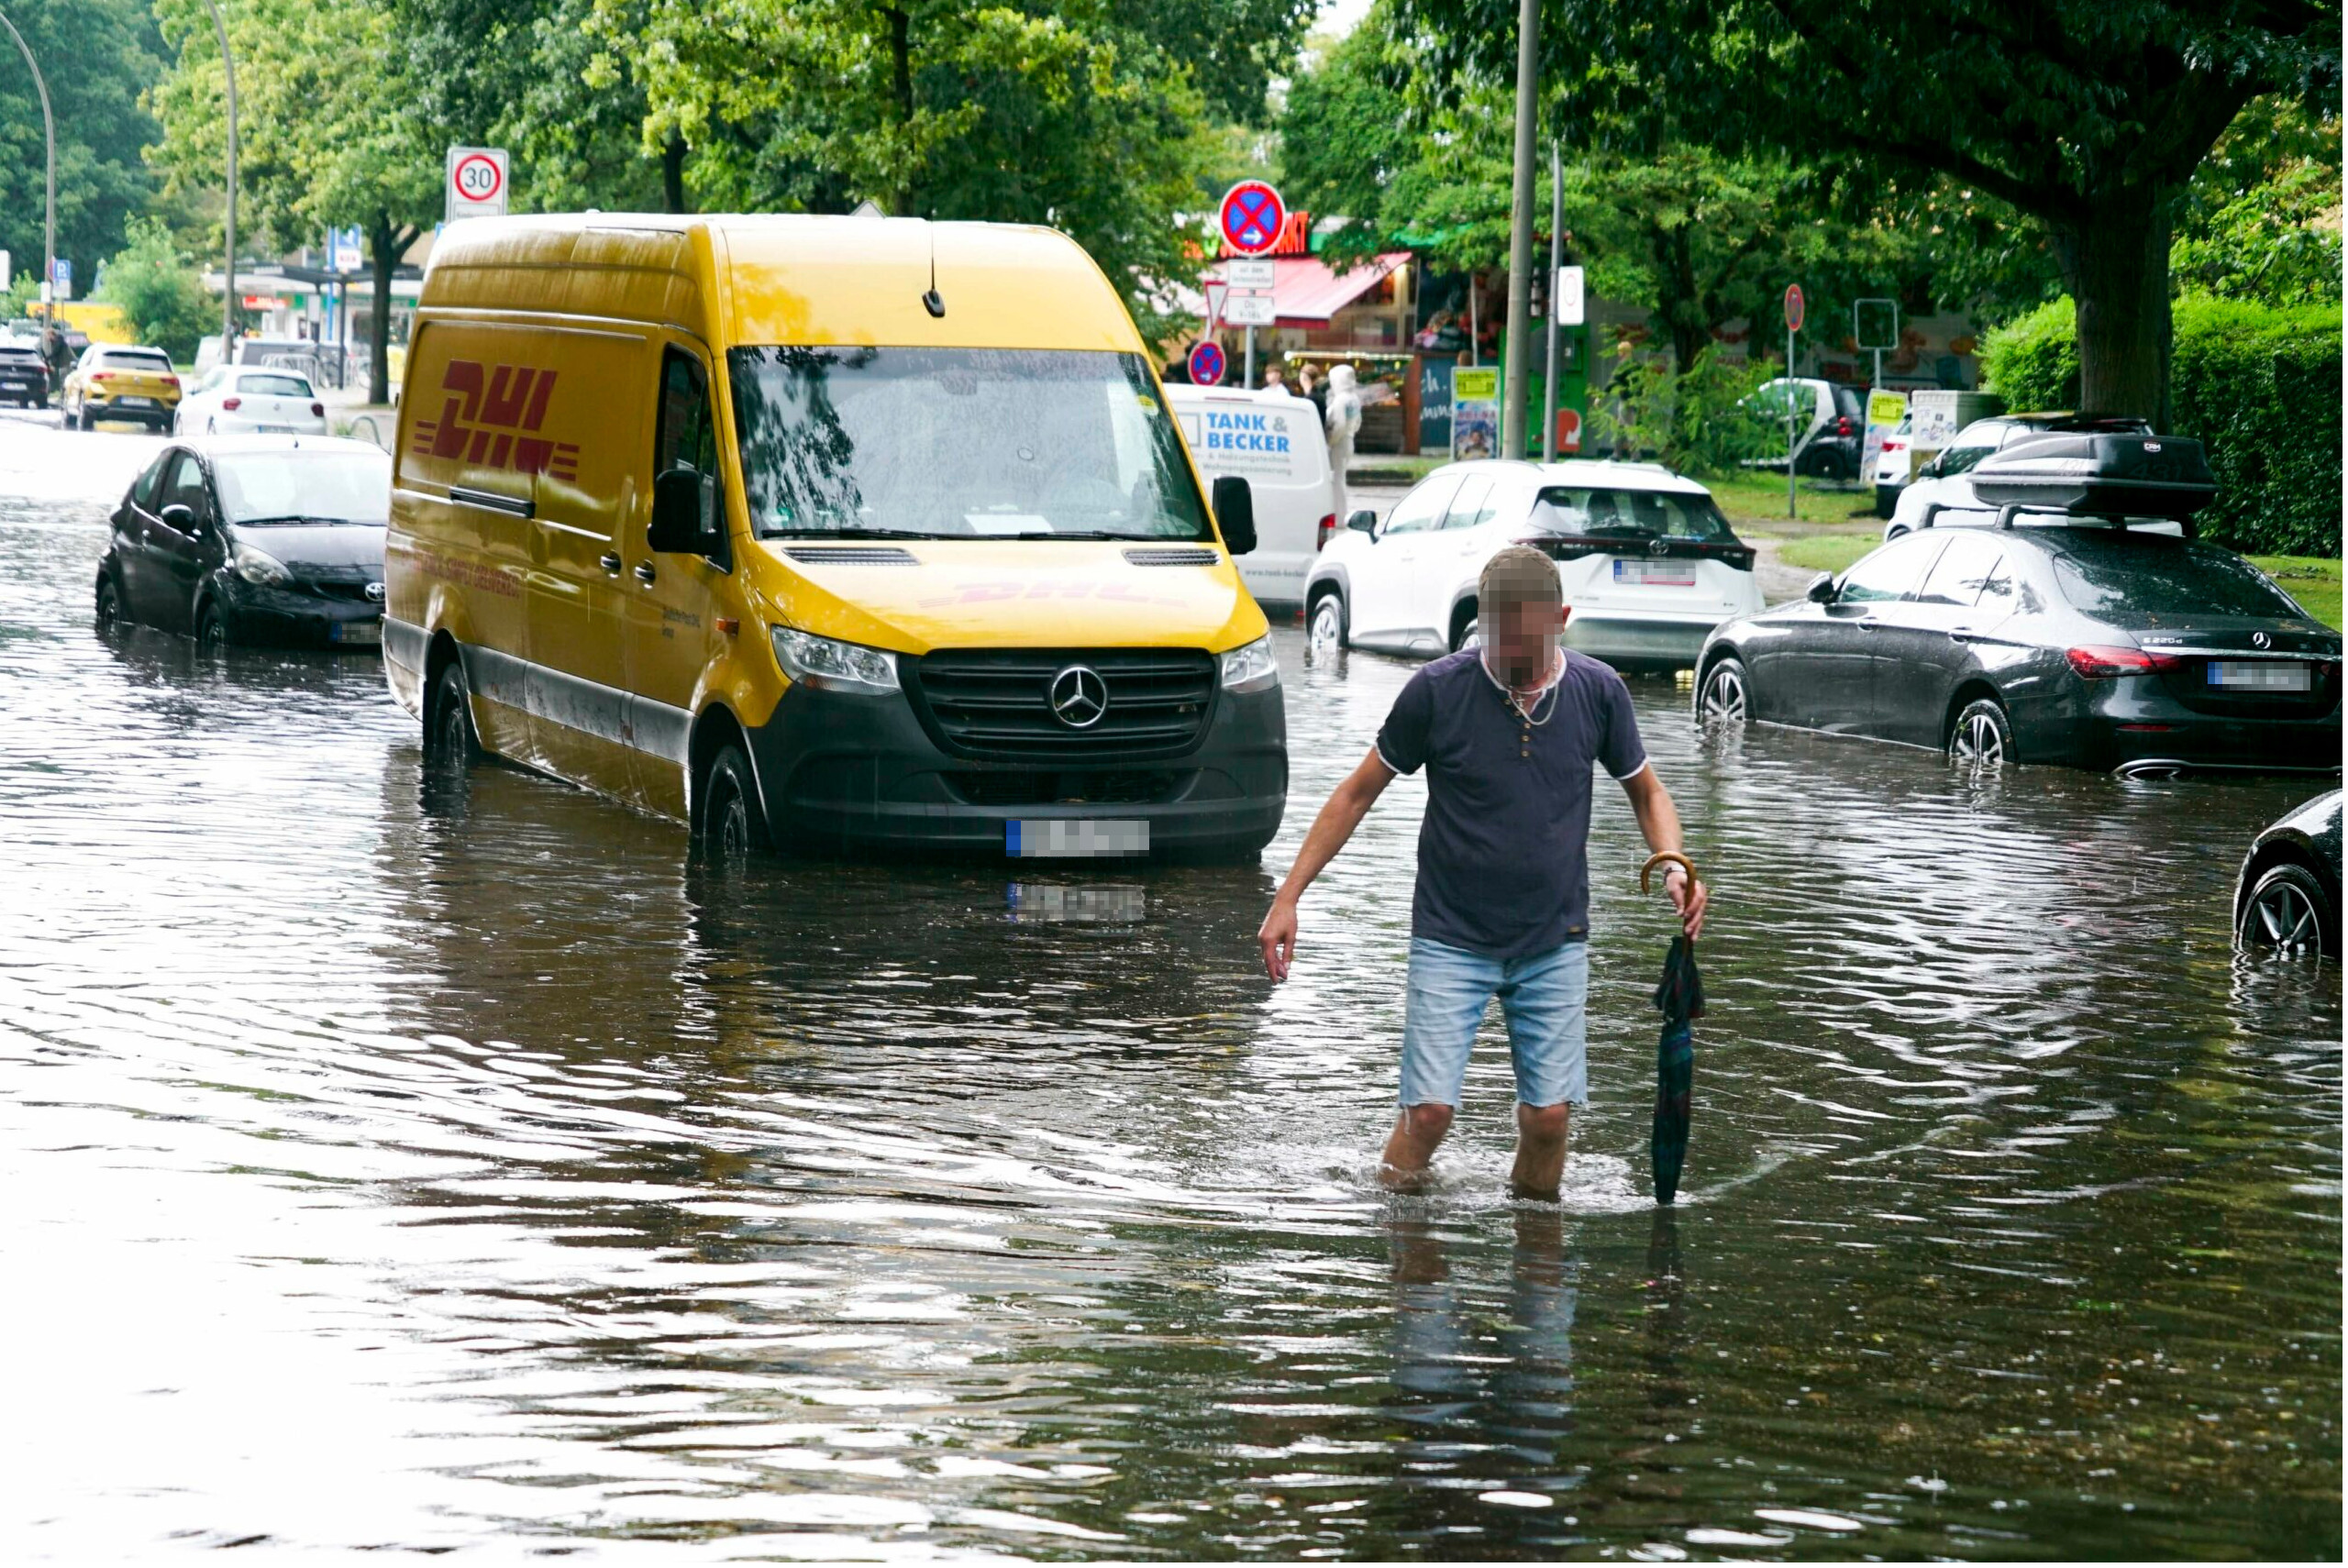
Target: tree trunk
{"points": [[2114, 261], [1679, 303], [672, 174], [385, 243]]}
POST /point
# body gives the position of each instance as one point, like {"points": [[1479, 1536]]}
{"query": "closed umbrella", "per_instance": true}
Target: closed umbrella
{"points": [[1681, 997]]}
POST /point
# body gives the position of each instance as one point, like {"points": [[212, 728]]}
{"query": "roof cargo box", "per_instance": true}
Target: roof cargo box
{"points": [[2095, 474]]}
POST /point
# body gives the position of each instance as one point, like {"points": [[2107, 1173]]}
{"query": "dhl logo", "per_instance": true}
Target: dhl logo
{"points": [[489, 420]]}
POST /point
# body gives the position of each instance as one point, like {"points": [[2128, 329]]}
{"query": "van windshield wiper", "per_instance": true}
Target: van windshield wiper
{"points": [[848, 533]]}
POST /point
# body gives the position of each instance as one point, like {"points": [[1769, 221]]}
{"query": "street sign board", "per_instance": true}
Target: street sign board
{"points": [[1216, 293], [1249, 310], [345, 253], [1874, 324], [1793, 307], [1568, 295], [478, 186], [61, 279], [1251, 217], [1250, 277], [1206, 364]]}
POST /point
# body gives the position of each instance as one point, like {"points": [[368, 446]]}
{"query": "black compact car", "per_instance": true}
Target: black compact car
{"points": [[257, 539], [2062, 638], [2287, 896], [24, 374]]}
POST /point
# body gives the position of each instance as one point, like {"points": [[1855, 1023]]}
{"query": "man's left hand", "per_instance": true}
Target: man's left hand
{"points": [[1689, 898]]}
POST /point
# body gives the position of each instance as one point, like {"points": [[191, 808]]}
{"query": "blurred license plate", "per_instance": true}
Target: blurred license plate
{"points": [[1065, 838], [2259, 675], [369, 633], [1656, 574], [135, 401]]}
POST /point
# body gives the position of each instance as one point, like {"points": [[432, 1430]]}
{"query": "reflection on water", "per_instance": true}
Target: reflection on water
{"points": [[412, 1170]]}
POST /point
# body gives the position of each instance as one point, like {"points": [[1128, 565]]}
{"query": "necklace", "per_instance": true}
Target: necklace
{"points": [[1527, 714]]}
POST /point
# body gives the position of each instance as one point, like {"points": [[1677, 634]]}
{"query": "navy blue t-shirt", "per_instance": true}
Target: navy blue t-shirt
{"points": [[1503, 852]]}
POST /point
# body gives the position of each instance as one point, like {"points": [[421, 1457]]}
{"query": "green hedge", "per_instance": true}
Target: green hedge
{"points": [[2258, 386]]}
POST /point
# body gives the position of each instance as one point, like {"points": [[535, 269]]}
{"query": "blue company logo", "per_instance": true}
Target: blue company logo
{"points": [[1245, 433]]}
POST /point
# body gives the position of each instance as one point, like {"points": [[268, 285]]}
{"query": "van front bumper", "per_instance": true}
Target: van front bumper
{"points": [[854, 772]]}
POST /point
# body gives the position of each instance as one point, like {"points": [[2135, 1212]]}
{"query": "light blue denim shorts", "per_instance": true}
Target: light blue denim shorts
{"points": [[1543, 998]]}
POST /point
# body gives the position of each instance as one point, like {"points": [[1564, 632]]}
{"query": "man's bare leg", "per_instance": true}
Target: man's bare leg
{"points": [[1540, 1150], [1409, 1148]]}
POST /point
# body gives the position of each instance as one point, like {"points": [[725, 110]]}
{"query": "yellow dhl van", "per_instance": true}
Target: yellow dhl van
{"points": [[823, 531]]}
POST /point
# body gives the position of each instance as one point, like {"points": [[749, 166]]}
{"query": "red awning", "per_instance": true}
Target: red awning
{"points": [[1306, 294]]}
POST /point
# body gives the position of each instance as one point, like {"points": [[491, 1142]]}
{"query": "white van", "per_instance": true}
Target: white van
{"points": [[1275, 443]]}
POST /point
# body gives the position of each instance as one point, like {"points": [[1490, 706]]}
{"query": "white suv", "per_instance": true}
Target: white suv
{"points": [[1648, 564]]}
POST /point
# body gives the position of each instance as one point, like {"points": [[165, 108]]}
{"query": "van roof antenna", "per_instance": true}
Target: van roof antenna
{"points": [[932, 302]]}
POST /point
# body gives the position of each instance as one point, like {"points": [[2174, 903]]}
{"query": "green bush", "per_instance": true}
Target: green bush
{"points": [[2258, 386], [1704, 421], [151, 281]]}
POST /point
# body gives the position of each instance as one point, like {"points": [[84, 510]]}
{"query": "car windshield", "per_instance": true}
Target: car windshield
{"points": [[295, 486], [2159, 574], [1629, 514], [274, 386], [149, 364], [960, 442]]}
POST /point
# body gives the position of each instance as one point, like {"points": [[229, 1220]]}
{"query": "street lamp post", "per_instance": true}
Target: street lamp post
{"points": [[1520, 239], [49, 237], [228, 295]]}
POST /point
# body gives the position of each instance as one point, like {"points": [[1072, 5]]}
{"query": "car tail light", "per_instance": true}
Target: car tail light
{"points": [[174, 382], [318, 409], [1891, 446], [2101, 663], [1327, 531], [232, 402], [102, 375], [1843, 425]]}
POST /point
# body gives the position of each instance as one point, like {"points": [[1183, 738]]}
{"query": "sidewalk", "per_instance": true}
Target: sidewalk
{"points": [[349, 413]]}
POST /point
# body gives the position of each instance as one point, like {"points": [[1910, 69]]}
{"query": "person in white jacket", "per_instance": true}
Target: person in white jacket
{"points": [[1343, 419]]}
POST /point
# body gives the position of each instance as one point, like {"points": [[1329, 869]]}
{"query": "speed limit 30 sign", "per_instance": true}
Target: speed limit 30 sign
{"points": [[477, 183]]}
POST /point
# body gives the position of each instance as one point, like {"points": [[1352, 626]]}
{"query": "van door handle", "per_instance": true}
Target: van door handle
{"points": [[611, 563], [644, 572]]}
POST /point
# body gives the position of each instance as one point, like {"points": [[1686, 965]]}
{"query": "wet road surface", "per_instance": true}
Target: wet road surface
{"points": [[391, 1170]]}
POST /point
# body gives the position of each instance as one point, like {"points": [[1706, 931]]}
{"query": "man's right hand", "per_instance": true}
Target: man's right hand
{"points": [[1278, 937]]}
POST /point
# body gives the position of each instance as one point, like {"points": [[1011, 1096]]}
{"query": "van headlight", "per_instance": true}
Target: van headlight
{"points": [[260, 569], [1251, 668], [829, 665]]}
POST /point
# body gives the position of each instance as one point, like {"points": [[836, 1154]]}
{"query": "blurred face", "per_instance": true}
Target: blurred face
{"points": [[1521, 640]]}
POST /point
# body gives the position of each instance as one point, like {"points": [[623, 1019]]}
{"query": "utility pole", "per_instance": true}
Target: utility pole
{"points": [[1519, 237], [1549, 376], [49, 237], [229, 293]]}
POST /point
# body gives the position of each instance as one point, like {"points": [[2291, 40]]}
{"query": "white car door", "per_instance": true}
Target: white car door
{"points": [[1453, 555], [1384, 576]]}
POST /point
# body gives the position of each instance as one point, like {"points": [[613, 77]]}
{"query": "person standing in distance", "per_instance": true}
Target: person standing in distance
{"points": [[1509, 735]]}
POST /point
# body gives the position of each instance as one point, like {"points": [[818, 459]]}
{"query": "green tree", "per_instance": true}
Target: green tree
{"points": [[96, 56], [2089, 118], [152, 280]]}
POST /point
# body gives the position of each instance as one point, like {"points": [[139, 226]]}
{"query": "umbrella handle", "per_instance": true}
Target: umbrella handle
{"points": [[1658, 858]]}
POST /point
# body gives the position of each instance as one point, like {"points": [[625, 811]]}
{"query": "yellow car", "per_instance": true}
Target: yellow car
{"points": [[822, 531], [111, 382]]}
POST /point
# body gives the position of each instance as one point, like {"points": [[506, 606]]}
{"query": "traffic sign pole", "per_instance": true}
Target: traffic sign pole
{"points": [[1793, 324]]}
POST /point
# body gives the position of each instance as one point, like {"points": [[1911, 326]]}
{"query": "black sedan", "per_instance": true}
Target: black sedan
{"points": [[2083, 644], [261, 538], [2287, 896]]}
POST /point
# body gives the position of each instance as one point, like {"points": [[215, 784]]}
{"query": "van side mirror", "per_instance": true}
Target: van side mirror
{"points": [[1235, 513], [685, 514], [1366, 520], [1822, 589]]}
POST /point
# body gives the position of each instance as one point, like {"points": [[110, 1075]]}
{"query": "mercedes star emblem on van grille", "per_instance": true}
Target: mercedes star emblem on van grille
{"points": [[1079, 697]]}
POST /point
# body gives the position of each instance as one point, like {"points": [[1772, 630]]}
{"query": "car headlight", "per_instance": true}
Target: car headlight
{"points": [[1251, 668], [829, 665], [264, 571]]}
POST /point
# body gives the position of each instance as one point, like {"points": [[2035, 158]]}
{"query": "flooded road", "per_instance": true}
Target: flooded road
{"points": [[395, 1171]]}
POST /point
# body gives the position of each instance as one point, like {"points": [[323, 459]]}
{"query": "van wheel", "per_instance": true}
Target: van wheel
{"points": [[1325, 630], [450, 744], [731, 827]]}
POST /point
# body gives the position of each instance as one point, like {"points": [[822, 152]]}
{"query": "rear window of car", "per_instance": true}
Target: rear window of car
{"points": [[273, 386], [1596, 513], [2160, 574], [304, 487], [19, 354], [131, 359]]}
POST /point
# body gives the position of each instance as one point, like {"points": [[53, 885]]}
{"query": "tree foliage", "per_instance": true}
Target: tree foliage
{"points": [[96, 56], [155, 284]]}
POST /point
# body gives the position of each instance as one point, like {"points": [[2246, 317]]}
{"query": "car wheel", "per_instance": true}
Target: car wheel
{"points": [[86, 420], [1887, 502], [1325, 630], [1468, 634], [2288, 912], [211, 630], [732, 828], [109, 604], [1982, 737], [1726, 695], [450, 745]]}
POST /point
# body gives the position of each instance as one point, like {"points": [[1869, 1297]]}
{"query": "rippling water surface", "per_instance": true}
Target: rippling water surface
{"points": [[392, 1171]]}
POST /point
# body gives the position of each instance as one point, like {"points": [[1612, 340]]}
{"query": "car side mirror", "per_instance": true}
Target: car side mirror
{"points": [[685, 514], [179, 517], [1822, 589], [1931, 469], [1235, 513], [1366, 520]]}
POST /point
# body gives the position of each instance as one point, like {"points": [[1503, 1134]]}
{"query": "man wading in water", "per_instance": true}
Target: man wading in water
{"points": [[1508, 736]]}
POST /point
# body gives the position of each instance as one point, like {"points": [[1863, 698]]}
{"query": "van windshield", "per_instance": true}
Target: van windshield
{"points": [[960, 442]]}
